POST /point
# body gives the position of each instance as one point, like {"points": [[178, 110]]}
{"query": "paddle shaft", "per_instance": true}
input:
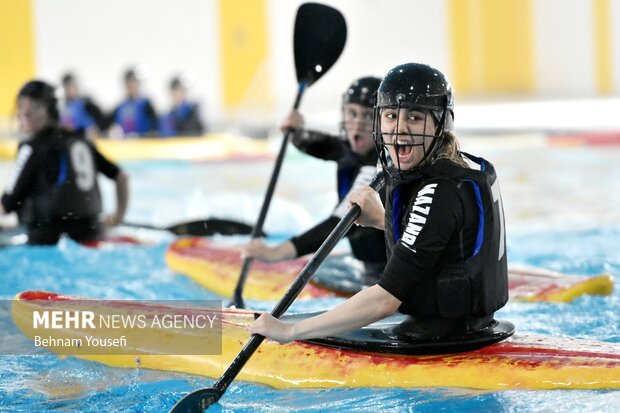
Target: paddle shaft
{"points": [[319, 37], [237, 300], [300, 282]]}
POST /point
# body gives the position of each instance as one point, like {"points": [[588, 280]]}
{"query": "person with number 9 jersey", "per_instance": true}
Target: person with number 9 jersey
{"points": [[443, 221], [54, 186]]}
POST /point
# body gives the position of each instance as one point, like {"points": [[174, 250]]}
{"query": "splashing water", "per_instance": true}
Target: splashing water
{"points": [[561, 212]]}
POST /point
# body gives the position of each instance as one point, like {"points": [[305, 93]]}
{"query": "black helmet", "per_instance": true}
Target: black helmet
{"points": [[416, 85], [43, 92], [362, 91], [420, 87]]}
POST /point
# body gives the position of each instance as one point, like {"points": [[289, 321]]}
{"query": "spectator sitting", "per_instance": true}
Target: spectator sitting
{"points": [[135, 116], [79, 113], [184, 118]]}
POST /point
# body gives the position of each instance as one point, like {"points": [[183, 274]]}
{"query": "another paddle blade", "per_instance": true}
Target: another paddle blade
{"points": [[211, 226], [197, 401], [320, 35]]}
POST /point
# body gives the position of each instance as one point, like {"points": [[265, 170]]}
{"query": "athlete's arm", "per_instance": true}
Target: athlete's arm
{"points": [[366, 307], [121, 179], [311, 240], [109, 120], [152, 116], [22, 181], [95, 112], [319, 145], [300, 245], [258, 249], [122, 198]]}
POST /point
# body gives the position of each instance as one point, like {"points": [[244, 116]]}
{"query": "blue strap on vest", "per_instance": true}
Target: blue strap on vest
{"points": [[480, 232], [345, 182], [397, 210]]}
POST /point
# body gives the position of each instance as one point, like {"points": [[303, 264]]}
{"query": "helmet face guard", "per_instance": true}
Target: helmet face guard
{"points": [[419, 88]]}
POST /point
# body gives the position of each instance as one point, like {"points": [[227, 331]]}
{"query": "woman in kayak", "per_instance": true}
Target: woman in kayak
{"points": [[54, 187], [355, 154], [443, 222]]}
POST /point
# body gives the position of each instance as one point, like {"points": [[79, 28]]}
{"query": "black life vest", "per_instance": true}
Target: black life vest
{"points": [[484, 272], [366, 243]]}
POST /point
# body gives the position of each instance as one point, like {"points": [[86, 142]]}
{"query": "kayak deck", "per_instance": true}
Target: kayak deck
{"points": [[217, 268], [520, 362]]}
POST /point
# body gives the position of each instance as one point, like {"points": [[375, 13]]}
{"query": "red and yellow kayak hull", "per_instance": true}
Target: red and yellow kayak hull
{"points": [[521, 362], [217, 267]]}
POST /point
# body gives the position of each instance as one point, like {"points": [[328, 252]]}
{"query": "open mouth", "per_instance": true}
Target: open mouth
{"points": [[404, 150], [357, 138], [358, 141]]}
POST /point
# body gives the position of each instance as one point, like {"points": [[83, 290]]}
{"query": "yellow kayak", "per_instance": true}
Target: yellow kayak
{"points": [[519, 362], [217, 267], [213, 147]]}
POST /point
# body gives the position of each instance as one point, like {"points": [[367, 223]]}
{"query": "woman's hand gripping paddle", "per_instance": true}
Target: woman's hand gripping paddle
{"points": [[320, 35]]}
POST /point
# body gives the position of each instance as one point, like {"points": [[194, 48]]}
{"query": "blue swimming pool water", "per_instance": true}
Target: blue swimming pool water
{"points": [[560, 215]]}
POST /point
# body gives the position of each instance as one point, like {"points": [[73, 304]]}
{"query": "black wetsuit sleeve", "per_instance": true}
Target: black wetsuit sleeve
{"points": [[23, 181], [193, 124], [424, 240], [318, 144], [93, 110], [311, 240], [104, 165], [152, 116], [109, 119]]}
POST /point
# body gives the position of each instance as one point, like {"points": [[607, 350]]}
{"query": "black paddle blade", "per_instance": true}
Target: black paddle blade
{"points": [[197, 401], [320, 35], [211, 226]]}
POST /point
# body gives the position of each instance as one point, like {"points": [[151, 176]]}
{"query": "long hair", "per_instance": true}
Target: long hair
{"points": [[449, 149]]}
